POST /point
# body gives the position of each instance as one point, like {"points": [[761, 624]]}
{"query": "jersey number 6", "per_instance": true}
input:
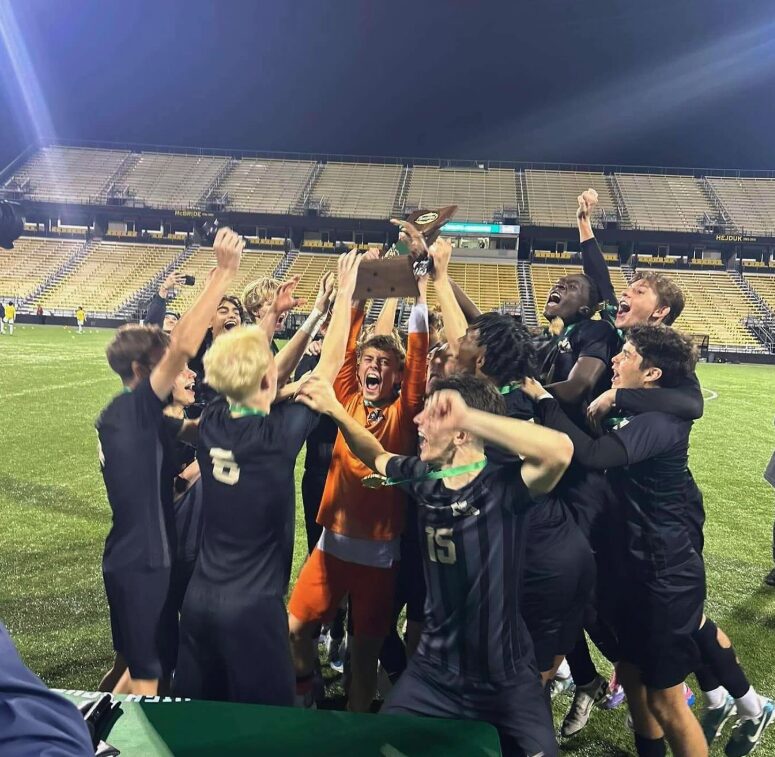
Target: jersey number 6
{"points": [[225, 469], [441, 548]]}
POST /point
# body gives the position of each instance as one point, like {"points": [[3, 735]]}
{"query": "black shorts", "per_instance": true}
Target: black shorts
{"points": [[143, 620], [656, 620], [558, 583], [232, 650], [517, 709], [410, 583]]}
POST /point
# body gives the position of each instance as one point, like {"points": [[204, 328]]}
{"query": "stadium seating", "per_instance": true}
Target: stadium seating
{"points": [[30, 263], [489, 285], [545, 275], [68, 174], [750, 203], [357, 190], [164, 180], [764, 285], [551, 195], [716, 306], [311, 267], [265, 186], [108, 276], [478, 193], [667, 203], [254, 265]]}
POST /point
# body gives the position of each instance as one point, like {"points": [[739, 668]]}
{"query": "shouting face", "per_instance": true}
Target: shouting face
{"points": [[567, 299], [378, 371], [227, 317]]}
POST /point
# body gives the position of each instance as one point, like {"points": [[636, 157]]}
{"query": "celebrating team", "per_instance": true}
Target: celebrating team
{"points": [[525, 513]]}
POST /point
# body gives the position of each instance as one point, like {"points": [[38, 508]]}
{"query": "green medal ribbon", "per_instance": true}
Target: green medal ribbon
{"points": [[242, 410], [509, 388], [376, 480]]}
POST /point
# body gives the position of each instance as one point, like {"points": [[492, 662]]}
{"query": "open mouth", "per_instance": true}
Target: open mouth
{"points": [[624, 307], [230, 324], [190, 386], [373, 381], [554, 298], [422, 442]]}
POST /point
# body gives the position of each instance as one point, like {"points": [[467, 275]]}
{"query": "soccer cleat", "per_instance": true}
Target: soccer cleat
{"points": [[583, 701], [335, 648], [713, 721], [747, 733], [689, 695], [769, 579], [616, 695], [560, 686]]}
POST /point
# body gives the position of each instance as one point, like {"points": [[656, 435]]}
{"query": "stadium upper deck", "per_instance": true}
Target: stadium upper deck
{"points": [[669, 200]]}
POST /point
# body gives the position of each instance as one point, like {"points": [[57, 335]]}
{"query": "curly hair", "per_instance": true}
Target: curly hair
{"points": [[666, 348], [509, 353]]}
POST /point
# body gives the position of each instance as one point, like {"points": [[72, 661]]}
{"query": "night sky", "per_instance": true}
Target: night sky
{"points": [[676, 82]]}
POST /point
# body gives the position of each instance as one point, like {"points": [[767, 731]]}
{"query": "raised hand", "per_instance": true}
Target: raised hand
{"points": [[444, 411], [325, 291], [173, 281], [417, 243], [228, 247], [440, 253], [587, 201], [284, 299], [317, 394], [348, 265]]}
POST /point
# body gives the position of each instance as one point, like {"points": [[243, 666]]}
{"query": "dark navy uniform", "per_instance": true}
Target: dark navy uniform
{"points": [[138, 470], [663, 577], [475, 657], [234, 626]]}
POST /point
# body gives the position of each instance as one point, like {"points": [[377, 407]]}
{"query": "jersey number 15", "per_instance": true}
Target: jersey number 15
{"points": [[441, 548]]}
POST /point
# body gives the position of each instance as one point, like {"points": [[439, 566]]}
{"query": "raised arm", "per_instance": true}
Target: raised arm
{"points": [[592, 258], [334, 349], [289, 356], [157, 307], [415, 369], [455, 323], [191, 328], [545, 454], [470, 311], [318, 394], [386, 319]]}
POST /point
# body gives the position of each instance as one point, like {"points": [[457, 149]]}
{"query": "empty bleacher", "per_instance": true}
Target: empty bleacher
{"points": [[310, 266], [489, 285], [254, 265], [478, 193], [750, 203], [764, 285], [357, 190], [30, 263], [552, 195], [108, 276], [165, 180], [666, 203], [545, 275], [716, 306], [265, 186], [67, 174]]}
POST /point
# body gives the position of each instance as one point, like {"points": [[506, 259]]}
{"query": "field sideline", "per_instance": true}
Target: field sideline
{"points": [[54, 515]]}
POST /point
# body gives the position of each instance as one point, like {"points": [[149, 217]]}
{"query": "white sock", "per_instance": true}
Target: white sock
{"points": [[715, 700], [749, 705], [564, 670]]}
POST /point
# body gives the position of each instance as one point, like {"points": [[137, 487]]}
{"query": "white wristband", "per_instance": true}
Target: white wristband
{"points": [[312, 323]]}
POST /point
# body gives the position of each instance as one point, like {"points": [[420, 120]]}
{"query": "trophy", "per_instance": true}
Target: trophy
{"points": [[394, 274]]}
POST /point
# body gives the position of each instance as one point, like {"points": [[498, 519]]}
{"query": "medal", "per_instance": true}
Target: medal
{"points": [[376, 480]]}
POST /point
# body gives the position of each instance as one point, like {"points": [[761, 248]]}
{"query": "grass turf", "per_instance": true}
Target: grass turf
{"points": [[54, 515]]}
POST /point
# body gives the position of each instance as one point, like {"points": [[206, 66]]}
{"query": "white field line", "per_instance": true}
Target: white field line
{"points": [[54, 387], [709, 394]]}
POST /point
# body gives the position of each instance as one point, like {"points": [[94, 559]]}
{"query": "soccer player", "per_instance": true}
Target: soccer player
{"points": [[138, 471], [358, 550], [10, 317], [475, 657], [80, 318], [559, 566], [234, 627], [258, 296], [663, 588]]}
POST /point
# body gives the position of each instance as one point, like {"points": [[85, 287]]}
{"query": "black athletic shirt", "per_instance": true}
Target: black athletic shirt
{"points": [[247, 466], [138, 469], [320, 443], [646, 462], [468, 539]]}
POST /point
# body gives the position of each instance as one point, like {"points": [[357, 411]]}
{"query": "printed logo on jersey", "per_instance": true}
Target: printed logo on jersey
{"points": [[375, 415], [621, 424], [460, 509], [564, 345]]}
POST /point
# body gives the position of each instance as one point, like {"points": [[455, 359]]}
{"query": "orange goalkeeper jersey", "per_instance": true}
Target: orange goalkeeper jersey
{"points": [[348, 507]]}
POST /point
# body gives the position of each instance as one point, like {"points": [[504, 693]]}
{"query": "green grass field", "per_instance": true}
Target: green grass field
{"points": [[54, 515]]}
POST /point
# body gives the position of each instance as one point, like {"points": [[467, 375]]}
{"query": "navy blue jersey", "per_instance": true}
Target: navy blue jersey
{"points": [[247, 466], [653, 489], [138, 469], [469, 538], [34, 720], [320, 443]]}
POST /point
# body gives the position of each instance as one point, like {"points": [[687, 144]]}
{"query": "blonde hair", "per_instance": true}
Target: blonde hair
{"points": [[237, 362], [259, 292]]}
